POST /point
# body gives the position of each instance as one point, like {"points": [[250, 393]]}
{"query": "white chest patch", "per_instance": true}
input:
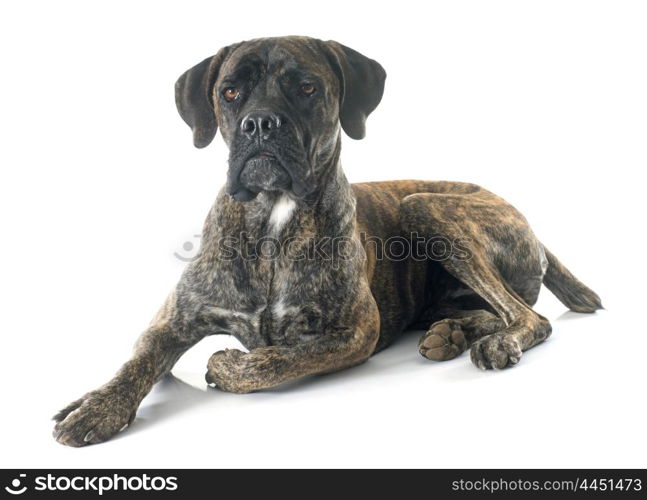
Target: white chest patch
{"points": [[253, 318], [281, 309], [281, 212]]}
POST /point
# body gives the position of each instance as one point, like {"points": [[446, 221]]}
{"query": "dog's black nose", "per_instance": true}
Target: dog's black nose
{"points": [[262, 123]]}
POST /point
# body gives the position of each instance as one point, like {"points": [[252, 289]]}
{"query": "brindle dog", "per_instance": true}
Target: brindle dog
{"points": [[279, 103]]}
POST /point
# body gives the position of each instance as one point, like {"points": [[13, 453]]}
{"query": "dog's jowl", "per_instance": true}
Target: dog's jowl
{"points": [[313, 274]]}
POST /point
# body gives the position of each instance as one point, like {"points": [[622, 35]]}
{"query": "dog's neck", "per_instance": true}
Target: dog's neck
{"points": [[330, 211], [327, 216]]}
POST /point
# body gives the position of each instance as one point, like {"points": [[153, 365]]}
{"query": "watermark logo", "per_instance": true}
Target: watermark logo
{"points": [[397, 248], [15, 488], [189, 250]]}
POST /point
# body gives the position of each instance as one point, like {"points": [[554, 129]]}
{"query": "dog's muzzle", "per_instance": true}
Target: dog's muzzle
{"points": [[265, 173], [256, 166], [261, 173]]}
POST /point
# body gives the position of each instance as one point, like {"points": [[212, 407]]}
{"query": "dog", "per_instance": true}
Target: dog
{"points": [[329, 298]]}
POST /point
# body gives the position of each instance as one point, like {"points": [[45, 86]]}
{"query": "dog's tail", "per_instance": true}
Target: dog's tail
{"points": [[568, 289]]}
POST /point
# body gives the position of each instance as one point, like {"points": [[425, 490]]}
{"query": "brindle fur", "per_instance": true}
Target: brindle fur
{"points": [[317, 315]]}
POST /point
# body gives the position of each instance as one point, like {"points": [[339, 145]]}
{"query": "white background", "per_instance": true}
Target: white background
{"points": [[543, 102]]}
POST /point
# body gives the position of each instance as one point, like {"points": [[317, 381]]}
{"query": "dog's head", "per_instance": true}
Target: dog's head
{"points": [[278, 103]]}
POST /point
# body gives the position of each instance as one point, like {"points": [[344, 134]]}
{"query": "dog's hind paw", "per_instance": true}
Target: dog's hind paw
{"points": [[497, 350], [443, 341]]}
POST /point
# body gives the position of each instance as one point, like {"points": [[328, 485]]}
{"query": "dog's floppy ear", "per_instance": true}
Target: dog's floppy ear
{"points": [[362, 85], [194, 100]]}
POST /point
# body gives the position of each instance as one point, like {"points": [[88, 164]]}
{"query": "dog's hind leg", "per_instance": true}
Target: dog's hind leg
{"points": [[451, 336], [500, 243]]}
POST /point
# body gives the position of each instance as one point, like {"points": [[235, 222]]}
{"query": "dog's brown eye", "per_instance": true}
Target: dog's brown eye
{"points": [[308, 88], [231, 93]]}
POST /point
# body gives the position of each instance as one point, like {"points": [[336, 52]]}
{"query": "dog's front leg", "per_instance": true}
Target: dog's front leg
{"points": [[102, 413], [235, 371]]}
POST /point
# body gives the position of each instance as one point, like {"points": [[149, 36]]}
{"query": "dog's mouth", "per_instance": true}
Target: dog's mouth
{"points": [[262, 171]]}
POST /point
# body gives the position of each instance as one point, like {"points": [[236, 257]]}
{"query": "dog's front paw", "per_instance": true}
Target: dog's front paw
{"points": [[226, 370], [236, 371], [94, 418], [496, 351]]}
